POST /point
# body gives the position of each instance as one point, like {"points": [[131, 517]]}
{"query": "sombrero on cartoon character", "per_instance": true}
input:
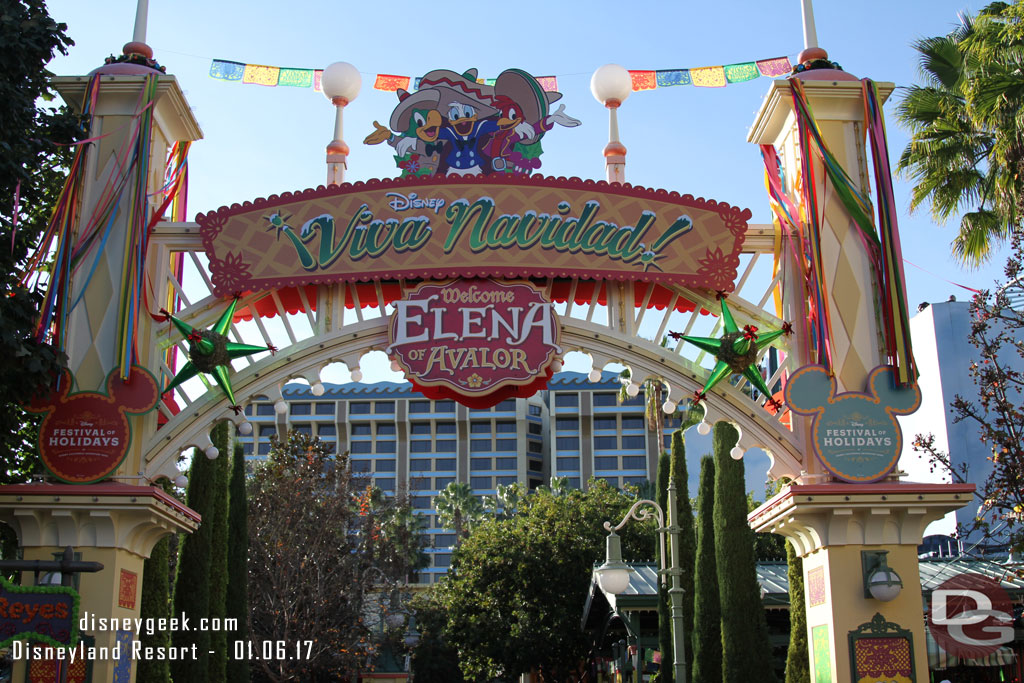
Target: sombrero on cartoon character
{"points": [[416, 123], [471, 119]]}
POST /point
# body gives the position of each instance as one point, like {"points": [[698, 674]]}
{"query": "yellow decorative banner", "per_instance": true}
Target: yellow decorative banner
{"points": [[708, 77], [258, 74]]}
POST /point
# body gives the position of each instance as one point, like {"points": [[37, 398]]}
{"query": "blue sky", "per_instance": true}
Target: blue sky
{"points": [[261, 141]]}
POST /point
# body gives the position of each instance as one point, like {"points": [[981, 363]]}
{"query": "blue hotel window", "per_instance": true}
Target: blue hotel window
{"points": [[268, 430], [567, 443], [359, 408], [326, 430], [441, 482], [421, 465], [566, 400], [632, 422], [444, 406], [533, 466], [421, 446], [481, 482], [504, 481], [361, 429], [605, 398], [303, 429], [444, 560], [634, 462], [385, 483], [361, 465], [534, 446], [481, 464], [505, 463], [323, 408], [247, 448], [570, 464], [605, 443], [420, 428], [639, 441], [445, 464], [419, 484], [419, 406], [444, 540], [504, 426], [385, 428], [445, 427], [361, 446], [264, 449], [384, 407], [574, 483], [507, 404], [535, 411], [265, 409], [505, 445], [385, 446], [420, 503], [606, 463], [477, 445], [444, 446], [385, 465], [567, 424], [633, 481], [480, 428], [605, 423], [535, 428], [300, 409]]}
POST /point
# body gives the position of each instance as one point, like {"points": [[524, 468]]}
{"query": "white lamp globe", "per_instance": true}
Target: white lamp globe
{"points": [[245, 429], [280, 407], [181, 481], [668, 407], [736, 453], [885, 585], [703, 428], [317, 389], [613, 581], [595, 375], [357, 375], [211, 452], [632, 389], [341, 79], [611, 84]]}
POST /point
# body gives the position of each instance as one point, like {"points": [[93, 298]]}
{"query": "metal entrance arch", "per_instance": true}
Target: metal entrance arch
{"points": [[626, 328]]}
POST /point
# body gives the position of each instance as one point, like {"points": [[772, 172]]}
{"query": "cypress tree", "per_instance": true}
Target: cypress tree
{"points": [[746, 652], [192, 591], [687, 540], [798, 665], [219, 557], [664, 614], [707, 613], [237, 603], [154, 605]]}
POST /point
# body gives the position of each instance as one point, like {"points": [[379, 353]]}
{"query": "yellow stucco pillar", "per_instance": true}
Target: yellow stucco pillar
{"points": [[830, 526], [116, 523], [111, 523]]}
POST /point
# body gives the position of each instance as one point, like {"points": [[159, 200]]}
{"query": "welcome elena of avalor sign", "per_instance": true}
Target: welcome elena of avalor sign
{"points": [[471, 226], [477, 341]]}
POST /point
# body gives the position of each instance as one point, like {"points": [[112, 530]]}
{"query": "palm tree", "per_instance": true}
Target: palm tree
{"points": [[966, 153], [458, 509]]}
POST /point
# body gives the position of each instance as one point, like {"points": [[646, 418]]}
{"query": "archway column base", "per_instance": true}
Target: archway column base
{"points": [[111, 523], [829, 526]]}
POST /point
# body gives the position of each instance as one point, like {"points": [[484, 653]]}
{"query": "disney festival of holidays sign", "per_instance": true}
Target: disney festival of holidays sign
{"points": [[436, 228], [85, 435], [477, 341], [856, 435]]}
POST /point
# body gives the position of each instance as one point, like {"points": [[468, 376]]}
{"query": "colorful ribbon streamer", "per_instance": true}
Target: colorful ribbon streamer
{"points": [[711, 76]]}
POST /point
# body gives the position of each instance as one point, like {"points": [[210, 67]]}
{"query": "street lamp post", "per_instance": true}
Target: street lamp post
{"points": [[613, 575]]}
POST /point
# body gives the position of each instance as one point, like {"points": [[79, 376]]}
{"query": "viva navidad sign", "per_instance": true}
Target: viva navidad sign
{"points": [[522, 226]]}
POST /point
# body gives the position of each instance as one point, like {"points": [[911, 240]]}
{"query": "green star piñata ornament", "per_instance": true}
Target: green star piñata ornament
{"points": [[210, 352], [736, 352]]}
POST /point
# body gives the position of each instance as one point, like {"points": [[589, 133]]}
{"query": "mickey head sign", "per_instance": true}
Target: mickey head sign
{"points": [[85, 435], [855, 435]]}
